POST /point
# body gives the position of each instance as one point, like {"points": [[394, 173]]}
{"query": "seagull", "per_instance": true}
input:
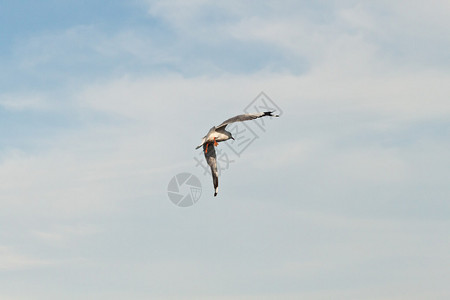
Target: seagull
{"points": [[219, 134]]}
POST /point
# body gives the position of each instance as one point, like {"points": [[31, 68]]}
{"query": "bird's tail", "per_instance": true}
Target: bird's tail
{"points": [[198, 146]]}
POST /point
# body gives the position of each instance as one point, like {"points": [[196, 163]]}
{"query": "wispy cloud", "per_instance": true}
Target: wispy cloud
{"points": [[23, 102], [11, 260]]}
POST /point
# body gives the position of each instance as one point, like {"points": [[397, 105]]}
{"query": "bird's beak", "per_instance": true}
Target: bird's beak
{"points": [[232, 138]]}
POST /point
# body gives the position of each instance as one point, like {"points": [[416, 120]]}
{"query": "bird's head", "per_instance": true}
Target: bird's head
{"points": [[229, 134]]}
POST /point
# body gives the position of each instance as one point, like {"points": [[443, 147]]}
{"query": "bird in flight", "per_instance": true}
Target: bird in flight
{"points": [[219, 134]]}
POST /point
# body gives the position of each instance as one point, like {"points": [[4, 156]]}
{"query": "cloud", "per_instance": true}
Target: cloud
{"points": [[10, 260], [23, 102], [81, 47], [128, 124], [348, 187], [398, 36], [63, 235]]}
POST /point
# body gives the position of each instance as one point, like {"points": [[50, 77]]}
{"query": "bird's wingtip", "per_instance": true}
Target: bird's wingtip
{"points": [[270, 114]]}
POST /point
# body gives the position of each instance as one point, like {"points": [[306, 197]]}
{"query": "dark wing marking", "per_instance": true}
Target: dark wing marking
{"points": [[246, 117], [210, 156]]}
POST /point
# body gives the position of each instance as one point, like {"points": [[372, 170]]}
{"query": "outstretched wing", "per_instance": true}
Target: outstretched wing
{"points": [[210, 155], [246, 117]]}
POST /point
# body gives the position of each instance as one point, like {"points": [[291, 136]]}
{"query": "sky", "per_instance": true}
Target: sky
{"points": [[345, 196]]}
